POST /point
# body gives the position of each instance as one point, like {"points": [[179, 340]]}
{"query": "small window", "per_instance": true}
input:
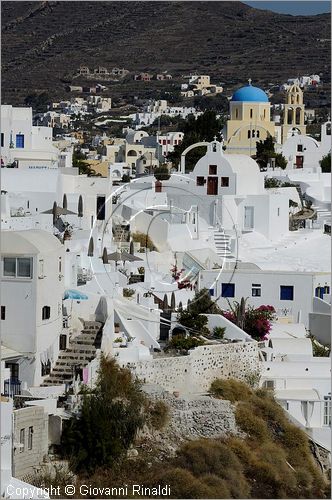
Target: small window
{"points": [[286, 292], [212, 169], [251, 112], [278, 212], [211, 292], [227, 290], [249, 134], [19, 140], [256, 290], [24, 267], [257, 134], [300, 148], [224, 181], [30, 436], [199, 181], [2, 139], [46, 312], [22, 440], [269, 384], [264, 113], [3, 312], [9, 266], [327, 411], [60, 265], [236, 113]]}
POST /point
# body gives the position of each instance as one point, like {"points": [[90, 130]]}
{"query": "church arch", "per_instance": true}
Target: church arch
{"points": [[298, 116]]}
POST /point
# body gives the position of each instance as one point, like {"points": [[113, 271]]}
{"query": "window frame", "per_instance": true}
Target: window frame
{"points": [[257, 288], [3, 313], [212, 169], [327, 411], [201, 182], [222, 181], [22, 440], [17, 266], [30, 438], [46, 313]]}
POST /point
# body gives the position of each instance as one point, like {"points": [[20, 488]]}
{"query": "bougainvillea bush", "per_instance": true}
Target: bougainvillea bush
{"points": [[256, 321]]}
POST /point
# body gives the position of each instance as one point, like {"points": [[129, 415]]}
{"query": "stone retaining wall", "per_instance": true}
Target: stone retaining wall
{"points": [[195, 372]]}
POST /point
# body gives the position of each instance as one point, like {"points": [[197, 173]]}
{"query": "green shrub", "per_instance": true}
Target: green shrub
{"points": [[128, 292], [185, 343], [218, 332], [144, 240], [231, 390], [108, 421]]}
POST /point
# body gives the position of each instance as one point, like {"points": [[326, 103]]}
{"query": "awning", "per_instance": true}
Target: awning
{"points": [[7, 353], [74, 295], [297, 395]]}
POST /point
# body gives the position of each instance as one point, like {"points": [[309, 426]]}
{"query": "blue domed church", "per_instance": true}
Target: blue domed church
{"points": [[250, 120]]}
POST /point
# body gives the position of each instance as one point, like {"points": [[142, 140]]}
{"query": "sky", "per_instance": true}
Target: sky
{"points": [[296, 7]]}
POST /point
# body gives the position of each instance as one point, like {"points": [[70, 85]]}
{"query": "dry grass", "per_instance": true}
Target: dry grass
{"points": [[231, 390]]}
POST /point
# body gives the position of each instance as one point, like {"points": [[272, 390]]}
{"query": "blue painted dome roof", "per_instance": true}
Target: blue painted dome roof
{"points": [[250, 94]]}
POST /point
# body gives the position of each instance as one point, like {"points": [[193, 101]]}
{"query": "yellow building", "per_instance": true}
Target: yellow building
{"points": [[250, 120], [293, 121]]}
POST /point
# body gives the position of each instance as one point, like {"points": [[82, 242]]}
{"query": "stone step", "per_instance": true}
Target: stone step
{"points": [[49, 382], [83, 348], [70, 362], [59, 370]]}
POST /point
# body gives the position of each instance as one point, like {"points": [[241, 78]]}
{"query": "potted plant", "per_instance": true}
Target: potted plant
{"points": [[116, 327], [117, 342], [128, 292]]}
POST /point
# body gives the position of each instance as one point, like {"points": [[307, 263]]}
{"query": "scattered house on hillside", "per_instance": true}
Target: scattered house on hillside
{"points": [[163, 76], [145, 77]]}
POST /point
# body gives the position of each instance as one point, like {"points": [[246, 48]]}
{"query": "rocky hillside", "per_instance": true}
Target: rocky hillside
{"points": [[44, 43]]}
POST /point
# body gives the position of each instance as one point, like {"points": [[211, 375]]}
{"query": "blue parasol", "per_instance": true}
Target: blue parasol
{"points": [[74, 295]]}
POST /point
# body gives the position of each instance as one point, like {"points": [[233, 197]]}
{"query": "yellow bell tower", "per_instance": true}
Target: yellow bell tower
{"points": [[293, 122]]}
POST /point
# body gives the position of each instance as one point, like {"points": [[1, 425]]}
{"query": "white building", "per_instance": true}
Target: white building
{"points": [[229, 191], [301, 381], [28, 146], [11, 487], [303, 151], [289, 292], [32, 288]]}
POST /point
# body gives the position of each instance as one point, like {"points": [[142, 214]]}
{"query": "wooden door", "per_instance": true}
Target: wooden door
{"points": [[212, 185]]}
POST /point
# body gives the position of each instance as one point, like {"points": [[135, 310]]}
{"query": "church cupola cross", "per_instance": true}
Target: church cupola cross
{"points": [[249, 81]]}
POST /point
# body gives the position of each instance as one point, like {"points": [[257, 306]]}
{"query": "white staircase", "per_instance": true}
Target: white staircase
{"points": [[222, 243]]}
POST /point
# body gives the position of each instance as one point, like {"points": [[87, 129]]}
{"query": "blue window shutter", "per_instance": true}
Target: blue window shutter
{"points": [[227, 290], [286, 292], [19, 140]]}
